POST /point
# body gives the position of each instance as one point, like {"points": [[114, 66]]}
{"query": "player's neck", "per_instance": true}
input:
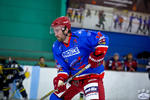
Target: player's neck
{"points": [[66, 41]]}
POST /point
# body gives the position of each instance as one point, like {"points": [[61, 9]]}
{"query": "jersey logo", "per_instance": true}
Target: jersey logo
{"points": [[102, 41], [71, 52], [75, 40], [99, 35], [76, 62]]}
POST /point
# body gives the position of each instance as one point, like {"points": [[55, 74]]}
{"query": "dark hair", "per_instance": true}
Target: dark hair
{"points": [[2, 61], [129, 54], [41, 57]]}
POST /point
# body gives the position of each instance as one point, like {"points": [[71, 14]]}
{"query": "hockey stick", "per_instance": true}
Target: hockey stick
{"points": [[11, 97], [71, 78], [13, 94]]}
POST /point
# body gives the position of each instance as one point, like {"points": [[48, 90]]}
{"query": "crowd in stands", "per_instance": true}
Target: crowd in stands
{"points": [[127, 64], [115, 63], [41, 62]]}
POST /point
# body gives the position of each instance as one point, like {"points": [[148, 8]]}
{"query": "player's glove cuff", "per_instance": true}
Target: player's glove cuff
{"points": [[63, 76]]}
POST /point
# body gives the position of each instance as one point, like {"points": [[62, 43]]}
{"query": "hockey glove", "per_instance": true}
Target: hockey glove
{"points": [[18, 82], [95, 60], [59, 84]]}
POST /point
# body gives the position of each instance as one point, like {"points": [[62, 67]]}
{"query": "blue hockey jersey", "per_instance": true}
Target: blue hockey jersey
{"points": [[74, 56]]}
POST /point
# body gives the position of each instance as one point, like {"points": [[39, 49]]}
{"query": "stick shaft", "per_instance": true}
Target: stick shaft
{"points": [[71, 78], [83, 69], [13, 94], [47, 94]]}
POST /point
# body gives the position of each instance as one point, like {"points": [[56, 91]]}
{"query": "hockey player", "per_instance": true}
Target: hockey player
{"points": [[13, 72], [4, 87], [19, 76], [1, 77], [72, 52]]}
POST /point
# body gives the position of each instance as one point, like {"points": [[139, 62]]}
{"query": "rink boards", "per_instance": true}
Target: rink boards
{"points": [[118, 85]]}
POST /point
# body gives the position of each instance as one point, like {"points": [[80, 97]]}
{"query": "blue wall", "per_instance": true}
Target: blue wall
{"points": [[125, 43]]}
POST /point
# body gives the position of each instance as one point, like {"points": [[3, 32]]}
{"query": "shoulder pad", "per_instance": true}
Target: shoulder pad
{"points": [[57, 47], [83, 33]]}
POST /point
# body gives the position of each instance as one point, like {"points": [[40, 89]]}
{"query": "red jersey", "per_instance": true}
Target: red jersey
{"points": [[130, 65]]}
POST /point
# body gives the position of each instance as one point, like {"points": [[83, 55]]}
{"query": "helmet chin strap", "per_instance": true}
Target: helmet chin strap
{"points": [[65, 34], [63, 30]]}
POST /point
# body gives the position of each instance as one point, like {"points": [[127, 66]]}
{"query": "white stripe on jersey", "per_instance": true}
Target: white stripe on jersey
{"points": [[102, 46], [63, 73]]}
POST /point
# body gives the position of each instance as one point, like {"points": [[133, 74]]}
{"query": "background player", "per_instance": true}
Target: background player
{"points": [[13, 72], [72, 52]]}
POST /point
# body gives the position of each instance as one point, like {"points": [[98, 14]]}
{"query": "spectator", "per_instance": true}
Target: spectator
{"points": [[149, 26], [41, 62], [101, 17], [145, 28], [121, 20], [130, 22], [2, 61], [88, 13], [114, 63], [140, 25], [148, 69], [76, 15], [116, 20], [81, 13], [69, 13], [130, 64]]}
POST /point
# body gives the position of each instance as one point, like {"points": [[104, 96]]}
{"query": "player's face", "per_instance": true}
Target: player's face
{"points": [[116, 57], [42, 60], [59, 34], [130, 56]]}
